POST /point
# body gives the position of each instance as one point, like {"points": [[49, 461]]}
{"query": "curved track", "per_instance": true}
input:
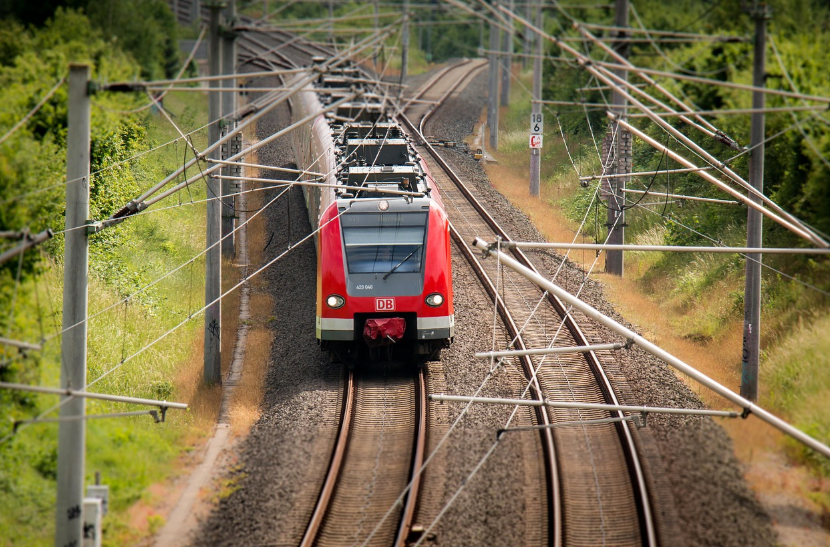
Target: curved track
{"points": [[598, 492]]}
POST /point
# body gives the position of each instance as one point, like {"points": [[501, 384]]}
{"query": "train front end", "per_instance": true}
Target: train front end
{"points": [[384, 278]]}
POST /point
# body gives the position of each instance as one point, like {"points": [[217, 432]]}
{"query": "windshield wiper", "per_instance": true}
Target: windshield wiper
{"points": [[387, 274]]}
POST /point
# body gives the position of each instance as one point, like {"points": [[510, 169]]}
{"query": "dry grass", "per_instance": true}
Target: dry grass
{"points": [[245, 407], [513, 184], [719, 358], [203, 400]]}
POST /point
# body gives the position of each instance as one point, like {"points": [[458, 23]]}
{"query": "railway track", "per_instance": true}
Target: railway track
{"points": [[379, 450], [597, 491]]}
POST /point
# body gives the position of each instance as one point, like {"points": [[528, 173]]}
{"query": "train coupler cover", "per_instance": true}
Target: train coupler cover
{"points": [[383, 332]]}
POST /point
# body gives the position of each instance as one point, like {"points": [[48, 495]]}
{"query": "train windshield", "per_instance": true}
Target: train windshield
{"points": [[381, 242]]}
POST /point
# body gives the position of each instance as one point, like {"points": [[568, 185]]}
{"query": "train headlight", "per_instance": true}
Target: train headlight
{"points": [[335, 301], [435, 299]]}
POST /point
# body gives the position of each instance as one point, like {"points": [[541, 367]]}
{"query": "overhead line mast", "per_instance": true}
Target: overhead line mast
{"points": [[755, 220], [72, 433], [618, 139], [213, 258]]}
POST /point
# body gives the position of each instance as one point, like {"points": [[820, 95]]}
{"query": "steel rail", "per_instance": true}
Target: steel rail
{"points": [[555, 527], [418, 451], [639, 483], [269, 51], [437, 104], [336, 463], [306, 44], [424, 88]]}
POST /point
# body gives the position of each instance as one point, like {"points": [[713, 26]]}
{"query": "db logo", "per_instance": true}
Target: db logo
{"points": [[384, 304]]}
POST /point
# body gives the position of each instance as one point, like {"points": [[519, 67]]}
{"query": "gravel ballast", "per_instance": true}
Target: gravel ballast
{"points": [[272, 490]]}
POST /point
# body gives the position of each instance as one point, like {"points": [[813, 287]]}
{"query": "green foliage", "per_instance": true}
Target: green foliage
{"points": [[150, 38], [706, 292], [131, 453], [144, 29]]}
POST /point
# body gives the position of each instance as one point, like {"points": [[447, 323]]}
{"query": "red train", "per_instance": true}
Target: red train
{"points": [[384, 278]]}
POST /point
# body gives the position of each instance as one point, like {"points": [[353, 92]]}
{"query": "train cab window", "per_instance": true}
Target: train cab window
{"points": [[382, 242]]}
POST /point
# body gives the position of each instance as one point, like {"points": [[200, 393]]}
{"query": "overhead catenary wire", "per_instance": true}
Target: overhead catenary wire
{"points": [[189, 261], [678, 222], [680, 66], [142, 200], [802, 232], [798, 122], [718, 83], [172, 271], [124, 360], [674, 362], [782, 217]]}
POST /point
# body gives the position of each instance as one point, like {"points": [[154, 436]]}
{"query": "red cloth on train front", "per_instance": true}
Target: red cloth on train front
{"points": [[377, 332]]}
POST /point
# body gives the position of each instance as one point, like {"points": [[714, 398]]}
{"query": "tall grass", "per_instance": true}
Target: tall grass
{"points": [[796, 380]]}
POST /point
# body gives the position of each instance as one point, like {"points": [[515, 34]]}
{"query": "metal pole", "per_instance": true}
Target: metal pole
{"points": [[72, 433], [506, 62], [228, 106], [755, 221], [213, 257], [748, 406], [492, 100], [405, 40], [622, 145], [536, 106]]}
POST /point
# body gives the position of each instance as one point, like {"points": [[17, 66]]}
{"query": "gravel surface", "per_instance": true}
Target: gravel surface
{"points": [[270, 494]]}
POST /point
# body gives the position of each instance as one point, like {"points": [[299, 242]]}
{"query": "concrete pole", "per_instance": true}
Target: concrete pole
{"points": [[493, 95], [528, 35], [755, 220], [195, 11], [228, 106], [536, 107], [72, 434], [480, 35], [213, 258], [622, 144], [331, 22], [506, 62], [377, 26], [405, 40]]}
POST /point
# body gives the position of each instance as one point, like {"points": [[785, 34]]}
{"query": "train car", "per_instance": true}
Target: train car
{"points": [[384, 279]]}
